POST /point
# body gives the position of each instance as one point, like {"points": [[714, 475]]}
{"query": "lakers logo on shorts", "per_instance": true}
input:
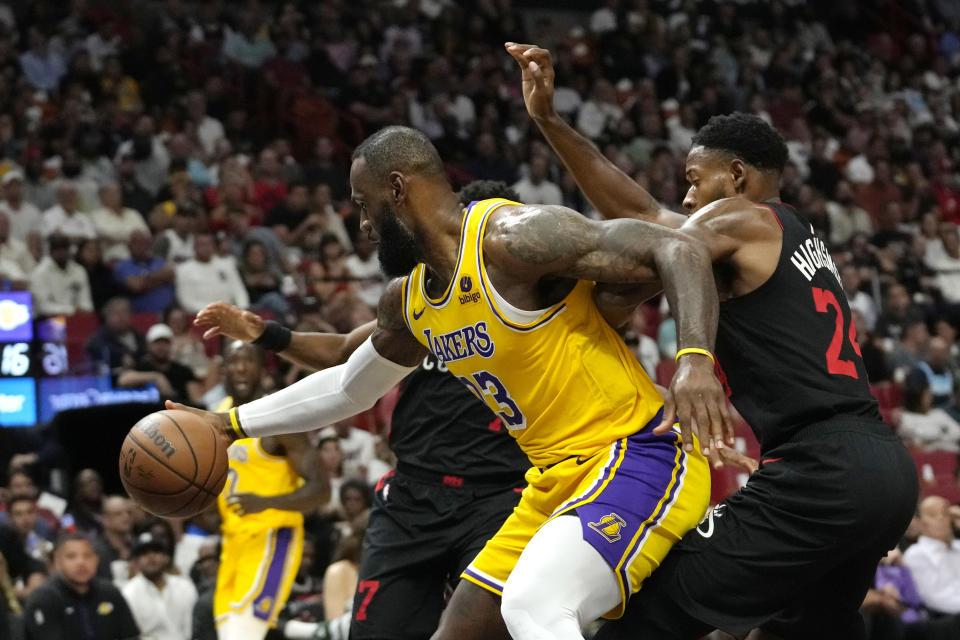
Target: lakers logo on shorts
{"points": [[609, 526], [265, 605]]}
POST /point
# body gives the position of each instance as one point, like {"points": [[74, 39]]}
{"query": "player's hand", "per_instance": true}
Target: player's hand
{"points": [[219, 422], [537, 78], [722, 456], [701, 404], [246, 503], [225, 319]]}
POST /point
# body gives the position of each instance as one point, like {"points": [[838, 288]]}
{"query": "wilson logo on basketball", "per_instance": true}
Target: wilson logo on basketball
{"points": [[151, 431]]}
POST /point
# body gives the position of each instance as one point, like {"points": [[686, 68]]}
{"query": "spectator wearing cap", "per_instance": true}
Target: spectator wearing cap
{"points": [[173, 380], [25, 217], [114, 223], [59, 285], [206, 279], [76, 604], [116, 343], [934, 561], [161, 603], [65, 217], [146, 278]]}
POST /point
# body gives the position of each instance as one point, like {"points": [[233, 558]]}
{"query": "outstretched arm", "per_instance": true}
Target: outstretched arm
{"points": [[532, 242], [314, 350], [336, 393], [610, 190]]}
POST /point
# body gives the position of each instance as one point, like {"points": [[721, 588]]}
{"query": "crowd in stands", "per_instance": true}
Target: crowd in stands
{"points": [[158, 156]]}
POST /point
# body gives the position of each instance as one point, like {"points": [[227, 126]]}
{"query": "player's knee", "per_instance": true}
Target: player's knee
{"points": [[532, 617]]}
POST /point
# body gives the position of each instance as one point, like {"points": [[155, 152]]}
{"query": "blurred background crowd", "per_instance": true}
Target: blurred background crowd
{"points": [[156, 156]]}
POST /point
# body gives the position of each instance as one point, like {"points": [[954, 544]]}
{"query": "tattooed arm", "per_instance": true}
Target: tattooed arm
{"points": [[525, 244]]}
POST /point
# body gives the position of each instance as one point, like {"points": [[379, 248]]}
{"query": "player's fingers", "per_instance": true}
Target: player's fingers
{"points": [[537, 73], [728, 426], [669, 414], [686, 429], [702, 416], [716, 425], [516, 50], [212, 332]]}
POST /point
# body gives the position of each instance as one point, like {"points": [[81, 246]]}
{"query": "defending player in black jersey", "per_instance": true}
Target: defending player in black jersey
{"points": [[459, 475], [794, 551]]}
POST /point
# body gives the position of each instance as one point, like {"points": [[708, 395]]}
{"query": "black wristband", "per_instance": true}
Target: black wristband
{"points": [[275, 337]]}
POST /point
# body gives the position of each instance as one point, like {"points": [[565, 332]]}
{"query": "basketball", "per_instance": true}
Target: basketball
{"points": [[173, 464]]}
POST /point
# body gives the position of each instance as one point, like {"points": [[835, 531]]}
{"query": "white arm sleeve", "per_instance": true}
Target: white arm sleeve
{"points": [[324, 397]]}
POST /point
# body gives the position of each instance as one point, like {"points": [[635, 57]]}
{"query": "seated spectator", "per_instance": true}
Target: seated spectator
{"points": [[858, 299], [114, 223], [537, 187], [292, 219], [22, 514], [263, 283], [233, 195], [204, 574], [921, 424], [936, 367], [269, 187], [103, 286], [161, 603], [206, 279], [20, 483], [364, 266], [65, 218], [908, 351], [846, 218], [26, 574], [14, 250], [175, 245], [323, 169], [25, 218], [946, 263], [332, 456], [358, 448], [201, 531], [173, 380], [186, 346], [58, 284], [321, 203], [897, 311], [85, 513], [66, 605], [356, 500], [134, 195], [113, 545], [871, 350], [116, 343], [934, 561], [147, 279]]}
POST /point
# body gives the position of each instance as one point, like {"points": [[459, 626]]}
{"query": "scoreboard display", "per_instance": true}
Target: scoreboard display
{"points": [[35, 376], [18, 391]]}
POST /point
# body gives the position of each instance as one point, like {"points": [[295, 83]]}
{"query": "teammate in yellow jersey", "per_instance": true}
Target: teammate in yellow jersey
{"points": [[270, 481], [502, 294]]}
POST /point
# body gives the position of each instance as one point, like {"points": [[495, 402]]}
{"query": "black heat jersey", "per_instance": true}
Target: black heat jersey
{"points": [[440, 427], [787, 351]]}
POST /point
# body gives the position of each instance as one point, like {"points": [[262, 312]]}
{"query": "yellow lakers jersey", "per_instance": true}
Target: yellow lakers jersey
{"points": [[560, 378], [253, 470]]}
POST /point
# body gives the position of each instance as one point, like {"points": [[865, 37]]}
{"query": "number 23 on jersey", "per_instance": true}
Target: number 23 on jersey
{"points": [[488, 388]]}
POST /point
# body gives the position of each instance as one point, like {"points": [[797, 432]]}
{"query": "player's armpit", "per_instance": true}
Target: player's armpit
{"points": [[392, 338]]}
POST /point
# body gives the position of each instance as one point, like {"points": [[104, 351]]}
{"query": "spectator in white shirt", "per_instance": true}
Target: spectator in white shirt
{"points": [[13, 250], [921, 424], [359, 449], [944, 258], [161, 603], [115, 223], [60, 285], [207, 279], [536, 188], [65, 218], [208, 128], [846, 218], [25, 217], [365, 265], [600, 112], [934, 561]]}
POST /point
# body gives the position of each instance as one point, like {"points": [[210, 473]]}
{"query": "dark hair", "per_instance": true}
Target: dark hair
{"points": [[747, 137], [486, 189], [359, 486], [399, 149], [20, 497], [71, 536], [914, 386]]}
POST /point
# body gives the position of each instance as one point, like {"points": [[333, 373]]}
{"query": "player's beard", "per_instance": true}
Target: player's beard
{"points": [[397, 250]]}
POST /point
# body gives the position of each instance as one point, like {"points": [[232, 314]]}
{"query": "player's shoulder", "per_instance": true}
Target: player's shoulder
{"points": [[732, 216]]}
